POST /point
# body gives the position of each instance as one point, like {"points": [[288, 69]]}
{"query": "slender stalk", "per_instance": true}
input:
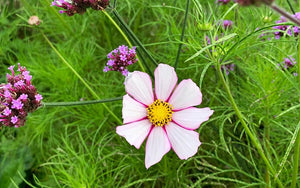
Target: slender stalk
{"points": [[123, 23], [267, 143], [291, 7], [284, 13], [124, 36], [296, 161], [80, 78], [298, 64], [247, 130], [77, 103], [297, 144], [182, 33]]}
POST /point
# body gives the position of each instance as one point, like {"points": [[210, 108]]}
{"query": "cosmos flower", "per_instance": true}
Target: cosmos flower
{"points": [[167, 116]]}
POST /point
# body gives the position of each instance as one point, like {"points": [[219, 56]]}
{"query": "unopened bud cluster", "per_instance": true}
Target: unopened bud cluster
{"points": [[79, 6]]}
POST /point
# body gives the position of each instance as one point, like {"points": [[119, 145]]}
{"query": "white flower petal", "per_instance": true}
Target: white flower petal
{"points": [[191, 118], [184, 142], [165, 81], [135, 133], [132, 110], [186, 94], [157, 146], [139, 86]]}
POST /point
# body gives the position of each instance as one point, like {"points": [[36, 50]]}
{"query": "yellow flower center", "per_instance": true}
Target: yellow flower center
{"points": [[159, 113]]}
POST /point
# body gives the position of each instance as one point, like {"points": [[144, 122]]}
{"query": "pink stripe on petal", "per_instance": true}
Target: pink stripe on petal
{"points": [[139, 86], [184, 142], [132, 110], [191, 118], [135, 133], [165, 81], [186, 94], [157, 146]]}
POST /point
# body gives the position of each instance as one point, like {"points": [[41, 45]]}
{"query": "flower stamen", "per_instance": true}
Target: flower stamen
{"points": [[159, 113]]}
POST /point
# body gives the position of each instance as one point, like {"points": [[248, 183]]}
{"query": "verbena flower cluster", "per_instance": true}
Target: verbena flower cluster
{"points": [[120, 58], [288, 64], [289, 30], [79, 6], [17, 98]]}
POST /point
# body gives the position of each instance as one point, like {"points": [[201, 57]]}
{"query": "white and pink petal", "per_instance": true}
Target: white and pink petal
{"points": [[139, 86], [165, 81], [186, 94], [157, 146], [191, 118], [184, 142], [136, 132], [132, 110]]}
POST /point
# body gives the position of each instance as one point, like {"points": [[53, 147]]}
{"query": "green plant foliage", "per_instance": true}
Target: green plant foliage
{"points": [[77, 146]]}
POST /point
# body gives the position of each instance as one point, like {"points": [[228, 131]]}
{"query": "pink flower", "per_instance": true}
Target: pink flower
{"points": [[167, 116]]}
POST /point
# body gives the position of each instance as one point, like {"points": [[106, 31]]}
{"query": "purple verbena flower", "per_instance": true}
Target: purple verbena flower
{"points": [[290, 30], [17, 99], [120, 58], [72, 7]]}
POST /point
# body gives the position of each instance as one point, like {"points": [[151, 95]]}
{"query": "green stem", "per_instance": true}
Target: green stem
{"points": [[297, 145], [296, 161], [80, 78], [77, 103], [247, 130], [267, 142], [134, 37], [298, 64], [124, 36], [182, 33]]}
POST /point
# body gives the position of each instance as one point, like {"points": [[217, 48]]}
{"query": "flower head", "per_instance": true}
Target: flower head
{"points": [[120, 58], [167, 116], [290, 30], [79, 6], [17, 98], [34, 20]]}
